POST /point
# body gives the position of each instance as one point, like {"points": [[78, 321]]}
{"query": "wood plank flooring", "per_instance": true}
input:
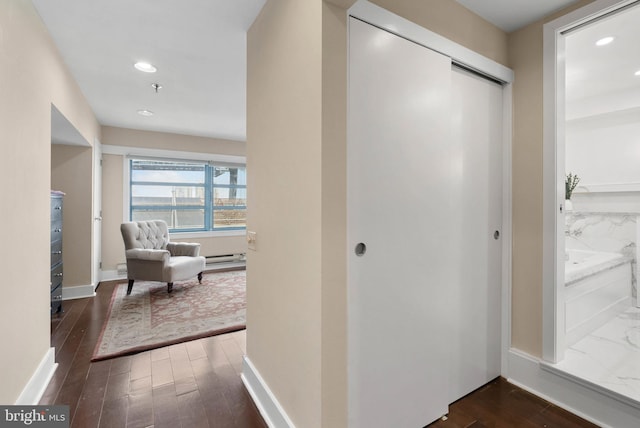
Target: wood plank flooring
{"points": [[197, 384], [193, 384], [500, 404]]}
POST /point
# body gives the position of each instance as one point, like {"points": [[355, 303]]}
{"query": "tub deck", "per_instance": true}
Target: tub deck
{"points": [[582, 264], [598, 288]]}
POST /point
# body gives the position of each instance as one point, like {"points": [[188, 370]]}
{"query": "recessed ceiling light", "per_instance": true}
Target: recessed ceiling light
{"points": [[605, 41], [145, 113], [637, 73], [145, 66]]}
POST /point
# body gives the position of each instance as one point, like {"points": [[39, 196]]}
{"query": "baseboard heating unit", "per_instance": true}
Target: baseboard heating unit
{"points": [[226, 258]]}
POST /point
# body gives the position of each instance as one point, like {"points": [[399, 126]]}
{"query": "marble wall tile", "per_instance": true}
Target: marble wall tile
{"points": [[604, 231]]}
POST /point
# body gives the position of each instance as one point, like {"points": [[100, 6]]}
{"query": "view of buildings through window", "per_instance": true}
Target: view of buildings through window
{"points": [[189, 196]]}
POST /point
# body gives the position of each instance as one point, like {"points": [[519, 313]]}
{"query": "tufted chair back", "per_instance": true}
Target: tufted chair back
{"points": [[146, 235]]}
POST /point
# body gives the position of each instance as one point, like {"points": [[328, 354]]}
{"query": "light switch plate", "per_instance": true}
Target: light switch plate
{"points": [[251, 240]]}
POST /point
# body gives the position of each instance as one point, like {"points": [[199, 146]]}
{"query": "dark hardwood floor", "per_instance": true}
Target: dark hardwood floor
{"points": [[500, 404], [193, 384], [197, 384]]}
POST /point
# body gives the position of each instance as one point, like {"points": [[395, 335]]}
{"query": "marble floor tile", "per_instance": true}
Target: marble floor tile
{"points": [[609, 356]]}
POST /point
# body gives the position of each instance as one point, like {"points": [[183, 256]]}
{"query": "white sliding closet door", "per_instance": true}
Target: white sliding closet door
{"points": [[399, 174], [476, 115]]}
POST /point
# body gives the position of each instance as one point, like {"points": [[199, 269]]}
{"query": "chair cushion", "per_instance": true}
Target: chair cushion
{"points": [[183, 267], [183, 249]]}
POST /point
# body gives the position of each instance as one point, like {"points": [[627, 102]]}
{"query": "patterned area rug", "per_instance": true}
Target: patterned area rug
{"points": [[151, 318]]}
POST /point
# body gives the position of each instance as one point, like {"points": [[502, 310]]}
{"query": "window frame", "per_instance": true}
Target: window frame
{"points": [[173, 156], [208, 185]]}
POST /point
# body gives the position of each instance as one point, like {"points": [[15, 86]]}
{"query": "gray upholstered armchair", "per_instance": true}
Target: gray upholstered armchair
{"points": [[151, 257]]}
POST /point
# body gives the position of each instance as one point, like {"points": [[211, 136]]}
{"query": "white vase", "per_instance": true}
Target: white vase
{"points": [[568, 205]]}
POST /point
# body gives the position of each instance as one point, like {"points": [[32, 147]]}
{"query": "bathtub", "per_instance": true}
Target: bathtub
{"points": [[597, 288]]}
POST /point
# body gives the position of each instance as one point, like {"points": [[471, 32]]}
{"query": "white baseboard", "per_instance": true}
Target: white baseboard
{"points": [[116, 275], [273, 414], [604, 410], [111, 275], [78, 292], [32, 392]]}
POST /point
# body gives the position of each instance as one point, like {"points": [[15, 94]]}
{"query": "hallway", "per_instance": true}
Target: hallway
{"points": [[192, 384], [197, 384]]}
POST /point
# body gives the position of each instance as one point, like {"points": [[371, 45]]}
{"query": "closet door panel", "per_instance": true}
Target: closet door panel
{"points": [[399, 214], [476, 119]]}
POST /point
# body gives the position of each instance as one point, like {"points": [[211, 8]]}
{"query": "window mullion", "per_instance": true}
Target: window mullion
{"points": [[208, 198], [130, 190]]}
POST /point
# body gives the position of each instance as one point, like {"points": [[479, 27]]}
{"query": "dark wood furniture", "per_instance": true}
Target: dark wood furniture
{"points": [[56, 252]]}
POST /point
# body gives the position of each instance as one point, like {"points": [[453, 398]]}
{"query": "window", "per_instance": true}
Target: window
{"points": [[189, 196]]}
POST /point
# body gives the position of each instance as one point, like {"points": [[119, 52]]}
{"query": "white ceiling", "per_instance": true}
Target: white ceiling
{"points": [[510, 15], [601, 79], [199, 48]]}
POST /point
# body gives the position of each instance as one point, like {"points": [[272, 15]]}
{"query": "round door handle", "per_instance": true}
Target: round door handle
{"points": [[496, 234], [360, 249]]}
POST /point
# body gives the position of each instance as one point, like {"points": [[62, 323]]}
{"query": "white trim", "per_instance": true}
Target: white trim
{"points": [[172, 154], [34, 389], [553, 171], [382, 18], [588, 402], [551, 368], [266, 402], [607, 188], [126, 196], [552, 304], [96, 212], [507, 228], [111, 275], [115, 275], [78, 292]]}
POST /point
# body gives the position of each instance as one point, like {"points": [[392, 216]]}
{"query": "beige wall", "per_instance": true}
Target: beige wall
{"points": [[71, 172], [284, 159], [526, 58], [112, 187], [334, 227], [166, 141], [33, 77], [455, 22], [112, 247]]}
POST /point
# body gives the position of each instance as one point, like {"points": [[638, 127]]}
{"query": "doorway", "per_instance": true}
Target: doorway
{"points": [[591, 254], [71, 158], [96, 255]]}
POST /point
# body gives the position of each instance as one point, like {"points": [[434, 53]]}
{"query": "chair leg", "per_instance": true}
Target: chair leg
{"points": [[200, 278], [130, 287], [169, 287]]}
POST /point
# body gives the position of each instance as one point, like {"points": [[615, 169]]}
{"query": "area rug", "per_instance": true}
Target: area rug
{"points": [[151, 318]]}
